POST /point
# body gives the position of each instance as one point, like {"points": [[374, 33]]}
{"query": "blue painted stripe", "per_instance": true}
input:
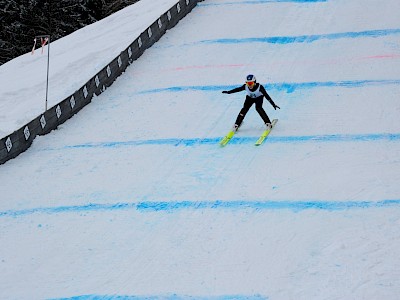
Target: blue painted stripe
{"points": [[305, 38], [163, 297], [264, 205], [390, 137], [258, 2], [68, 209], [288, 87], [172, 206]]}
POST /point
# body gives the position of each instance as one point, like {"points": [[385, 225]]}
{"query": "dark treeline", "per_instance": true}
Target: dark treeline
{"points": [[22, 20]]}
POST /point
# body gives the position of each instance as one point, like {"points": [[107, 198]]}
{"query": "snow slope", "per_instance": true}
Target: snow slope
{"points": [[132, 197], [73, 61]]}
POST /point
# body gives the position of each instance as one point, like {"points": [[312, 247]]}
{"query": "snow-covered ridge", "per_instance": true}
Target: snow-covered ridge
{"points": [[109, 46]]}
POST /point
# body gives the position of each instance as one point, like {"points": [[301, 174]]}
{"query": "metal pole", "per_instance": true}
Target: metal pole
{"points": [[48, 66], [48, 50]]}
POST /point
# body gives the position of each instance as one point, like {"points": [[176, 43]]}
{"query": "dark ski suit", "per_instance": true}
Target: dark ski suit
{"points": [[254, 96]]}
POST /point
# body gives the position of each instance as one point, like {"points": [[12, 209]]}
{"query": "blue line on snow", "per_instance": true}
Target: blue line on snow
{"points": [[243, 140], [289, 87], [166, 206], [163, 297], [259, 2], [304, 38]]}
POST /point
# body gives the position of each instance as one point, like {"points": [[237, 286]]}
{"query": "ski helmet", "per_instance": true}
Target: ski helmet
{"points": [[251, 78], [250, 81]]}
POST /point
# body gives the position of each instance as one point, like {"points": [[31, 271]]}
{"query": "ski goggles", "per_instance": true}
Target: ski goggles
{"points": [[250, 84]]}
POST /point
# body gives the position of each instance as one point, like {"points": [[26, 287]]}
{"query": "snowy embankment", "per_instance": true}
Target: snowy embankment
{"points": [[74, 60]]}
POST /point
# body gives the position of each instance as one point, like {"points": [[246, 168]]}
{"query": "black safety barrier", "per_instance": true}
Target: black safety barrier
{"points": [[21, 139]]}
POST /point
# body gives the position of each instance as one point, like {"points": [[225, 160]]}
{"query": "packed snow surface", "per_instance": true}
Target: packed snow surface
{"points": [[133, 197]]}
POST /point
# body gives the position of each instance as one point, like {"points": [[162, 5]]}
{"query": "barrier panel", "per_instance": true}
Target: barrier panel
{"points": [[21, 139]]}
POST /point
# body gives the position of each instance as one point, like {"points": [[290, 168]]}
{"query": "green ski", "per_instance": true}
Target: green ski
{"points": [[227, 138], [266, 133]]}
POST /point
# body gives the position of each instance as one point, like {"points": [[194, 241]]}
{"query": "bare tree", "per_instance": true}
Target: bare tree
{"points": [[22, 20]]}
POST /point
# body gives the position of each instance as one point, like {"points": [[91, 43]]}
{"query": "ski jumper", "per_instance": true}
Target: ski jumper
{"points": [[253, 96]]}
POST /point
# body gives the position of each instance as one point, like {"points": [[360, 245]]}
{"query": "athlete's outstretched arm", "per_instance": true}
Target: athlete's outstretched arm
{"points": [[264, 92], [235, 90]]}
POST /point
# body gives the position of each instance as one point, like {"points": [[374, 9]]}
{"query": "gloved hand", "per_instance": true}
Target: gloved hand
{"points": [[225, 92], [276, 106]]}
